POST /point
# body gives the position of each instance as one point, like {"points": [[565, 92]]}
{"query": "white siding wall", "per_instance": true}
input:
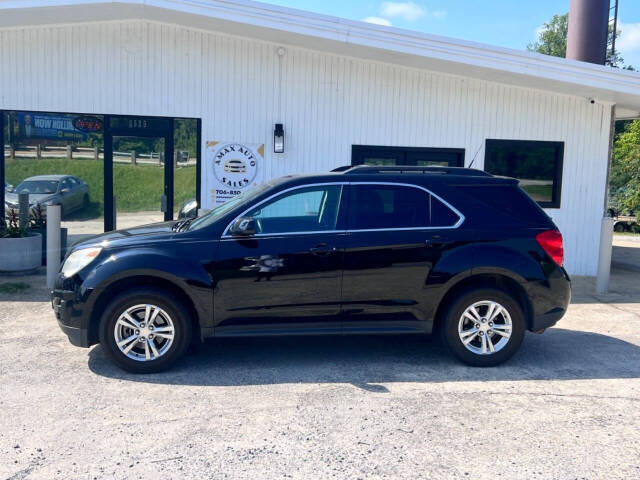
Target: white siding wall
{"points": [[241, 87]]}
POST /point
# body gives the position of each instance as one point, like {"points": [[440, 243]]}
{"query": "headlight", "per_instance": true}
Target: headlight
{"points": [[78, 260]]}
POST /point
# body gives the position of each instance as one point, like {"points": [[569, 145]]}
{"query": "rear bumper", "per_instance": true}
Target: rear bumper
{"points": [[550, 300], [70, 317]]}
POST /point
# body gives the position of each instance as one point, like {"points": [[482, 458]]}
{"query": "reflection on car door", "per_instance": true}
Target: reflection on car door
{"points": [[391, 248], [288, 277]]}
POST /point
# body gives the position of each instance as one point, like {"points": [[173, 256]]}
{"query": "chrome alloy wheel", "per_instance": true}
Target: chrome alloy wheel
{"points": [[485, 327], [144, 332]]}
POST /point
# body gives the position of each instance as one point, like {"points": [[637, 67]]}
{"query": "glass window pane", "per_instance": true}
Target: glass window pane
{"points": [[138, 180], [535, 164], [45, 147], [304, 210], [380, 161], [185, 144], [380, 206]]}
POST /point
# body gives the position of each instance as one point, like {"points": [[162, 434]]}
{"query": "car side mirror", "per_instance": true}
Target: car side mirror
{"points": [[243, 227], [65, 190]]}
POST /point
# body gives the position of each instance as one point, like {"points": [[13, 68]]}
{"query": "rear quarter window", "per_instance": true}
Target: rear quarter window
{"points": [[509, 200]]}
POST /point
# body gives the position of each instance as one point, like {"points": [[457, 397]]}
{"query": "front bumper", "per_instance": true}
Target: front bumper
{"points": [[70, 317], [546, 320]]}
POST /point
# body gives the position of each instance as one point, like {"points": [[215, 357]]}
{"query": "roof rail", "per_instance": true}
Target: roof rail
{"points": [[399, 169]]}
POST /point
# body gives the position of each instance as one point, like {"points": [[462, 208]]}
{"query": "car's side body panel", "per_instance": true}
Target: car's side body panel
{"points": [[278, 284]]}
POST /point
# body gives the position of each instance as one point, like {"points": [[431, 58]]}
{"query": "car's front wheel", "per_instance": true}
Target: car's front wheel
{"points": [[145, 330], [484, 327]]}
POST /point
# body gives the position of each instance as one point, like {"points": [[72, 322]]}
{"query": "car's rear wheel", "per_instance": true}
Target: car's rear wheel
{"points": [[483, 327], [145, 330]]}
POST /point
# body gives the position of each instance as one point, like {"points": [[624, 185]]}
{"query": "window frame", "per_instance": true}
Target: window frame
{"points": [[341, 211], [556, 190]]}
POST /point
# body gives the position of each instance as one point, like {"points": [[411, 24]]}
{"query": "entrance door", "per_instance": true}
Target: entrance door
{"points": [[139, 181], [139, 168], [407, 156]]}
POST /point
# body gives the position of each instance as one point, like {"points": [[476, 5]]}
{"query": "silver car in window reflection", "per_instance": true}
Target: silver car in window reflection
{"points": [[68, 191]]}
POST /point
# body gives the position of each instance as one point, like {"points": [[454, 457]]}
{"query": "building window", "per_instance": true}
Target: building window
{"points": [[538, 166], [407, 156]]}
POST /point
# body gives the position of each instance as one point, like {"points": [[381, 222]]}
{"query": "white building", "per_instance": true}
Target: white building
{"points": [[338, 87]]}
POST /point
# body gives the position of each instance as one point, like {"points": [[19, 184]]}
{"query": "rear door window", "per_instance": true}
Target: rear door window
{"points": [[377, 206], [509, 200]]}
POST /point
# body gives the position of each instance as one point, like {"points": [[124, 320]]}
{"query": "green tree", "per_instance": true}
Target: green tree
{"points": [[624, 183], [552, 40], [552, 37]]}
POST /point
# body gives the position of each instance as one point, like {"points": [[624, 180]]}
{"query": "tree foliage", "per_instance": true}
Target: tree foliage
{"points": [[552, 37], [625, 169]]}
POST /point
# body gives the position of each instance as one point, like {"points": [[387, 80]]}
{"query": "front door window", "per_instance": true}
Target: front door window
{"points": [[312, 209]]}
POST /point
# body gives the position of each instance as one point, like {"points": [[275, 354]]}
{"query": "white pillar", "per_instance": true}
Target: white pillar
{"points": [[53, 243], [604, 256]]}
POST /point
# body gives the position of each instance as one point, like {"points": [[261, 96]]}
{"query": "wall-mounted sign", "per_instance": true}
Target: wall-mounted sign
{"points": [[87, 123], [57, 126], [229, 169]]}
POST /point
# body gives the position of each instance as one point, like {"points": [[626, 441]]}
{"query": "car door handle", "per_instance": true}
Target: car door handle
{"points": [[438, 242], [322, 249]]}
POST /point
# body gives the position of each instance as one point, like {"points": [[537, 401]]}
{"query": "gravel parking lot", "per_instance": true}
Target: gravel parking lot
{"points": [[566, 406]]}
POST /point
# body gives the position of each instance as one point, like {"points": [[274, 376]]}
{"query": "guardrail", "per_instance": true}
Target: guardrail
{"points": [[70, 152]]}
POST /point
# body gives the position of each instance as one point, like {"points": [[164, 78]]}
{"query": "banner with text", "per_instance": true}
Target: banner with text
{"points": [[229, 169], [57, 126]]}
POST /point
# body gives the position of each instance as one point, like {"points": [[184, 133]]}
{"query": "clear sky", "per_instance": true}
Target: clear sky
{"points": [[508, 23]]}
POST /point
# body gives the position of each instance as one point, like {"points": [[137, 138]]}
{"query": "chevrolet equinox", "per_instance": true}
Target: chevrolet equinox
{"points": [[360, 250]]}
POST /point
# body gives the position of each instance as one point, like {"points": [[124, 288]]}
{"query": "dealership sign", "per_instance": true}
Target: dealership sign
{"points": [[57, 126], [231, 168]]}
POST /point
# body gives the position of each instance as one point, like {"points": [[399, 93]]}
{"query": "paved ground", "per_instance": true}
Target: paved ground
{"points": [[79, 229], [566, 406]]}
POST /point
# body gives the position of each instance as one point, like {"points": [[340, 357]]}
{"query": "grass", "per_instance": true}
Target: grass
{"points": [[539, 192], [13, 287], [138, 188]]}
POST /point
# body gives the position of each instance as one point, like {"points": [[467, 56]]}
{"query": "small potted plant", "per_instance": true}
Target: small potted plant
{"points": [[20, 248]]}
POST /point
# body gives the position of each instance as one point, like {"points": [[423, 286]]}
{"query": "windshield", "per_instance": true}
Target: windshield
{"points": [[38, 186], [221, 210]]}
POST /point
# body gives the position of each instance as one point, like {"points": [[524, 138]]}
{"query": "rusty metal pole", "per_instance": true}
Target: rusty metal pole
{"points": [[588, 30]]}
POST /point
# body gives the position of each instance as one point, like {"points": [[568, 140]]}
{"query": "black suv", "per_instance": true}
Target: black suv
{"points": [[360, 250]]}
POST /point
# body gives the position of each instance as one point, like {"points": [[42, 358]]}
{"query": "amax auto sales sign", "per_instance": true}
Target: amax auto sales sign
{"points": [[231, 168]]}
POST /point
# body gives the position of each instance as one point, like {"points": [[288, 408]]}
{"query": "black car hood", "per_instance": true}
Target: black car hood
{"points": [[144, 234]]}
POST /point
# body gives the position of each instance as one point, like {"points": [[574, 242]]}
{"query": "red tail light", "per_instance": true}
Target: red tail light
{"points": [[551, 242]]}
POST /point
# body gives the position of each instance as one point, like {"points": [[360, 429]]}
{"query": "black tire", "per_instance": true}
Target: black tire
{"points": [[175, 309], [456, 309], [85, 202]]}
